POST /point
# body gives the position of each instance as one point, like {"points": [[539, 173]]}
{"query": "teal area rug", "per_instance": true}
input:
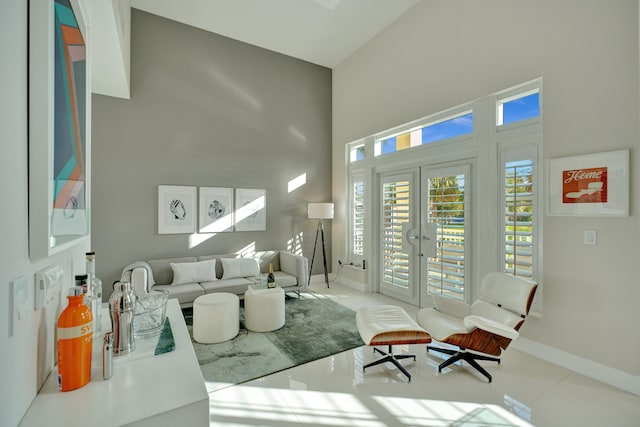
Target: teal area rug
{"points": [[315, 327]]}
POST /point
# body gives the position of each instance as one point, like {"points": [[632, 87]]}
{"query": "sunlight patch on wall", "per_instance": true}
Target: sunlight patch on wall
{"points": [[235, 88], [294, 244], [196, 239], [248, 251], [297, 134], [297, 182]]}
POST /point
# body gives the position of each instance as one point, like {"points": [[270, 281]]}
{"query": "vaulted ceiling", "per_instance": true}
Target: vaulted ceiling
{"points": [[324, 32]]}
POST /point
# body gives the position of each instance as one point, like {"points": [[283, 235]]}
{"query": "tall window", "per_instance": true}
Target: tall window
{"points": [[519, 219], [357, 215]]}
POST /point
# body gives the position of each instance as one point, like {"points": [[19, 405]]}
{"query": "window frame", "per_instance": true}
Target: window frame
{"points": [[525, 146], [419, 124]]}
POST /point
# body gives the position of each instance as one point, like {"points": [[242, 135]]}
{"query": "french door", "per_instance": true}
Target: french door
{"points": [[423, 233], [399, 211], [445, 213]]}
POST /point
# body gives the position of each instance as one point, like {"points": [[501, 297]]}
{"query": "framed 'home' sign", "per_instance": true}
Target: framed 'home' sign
{"points": [[590, 185]]}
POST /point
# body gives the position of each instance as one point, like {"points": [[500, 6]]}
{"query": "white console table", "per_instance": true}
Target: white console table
{"points": [[163, 390]]}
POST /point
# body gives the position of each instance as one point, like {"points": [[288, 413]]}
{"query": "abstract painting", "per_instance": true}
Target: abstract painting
{"points": [[251, 209], [176, 209], [216, 209], [59, 141], [69, 130]]}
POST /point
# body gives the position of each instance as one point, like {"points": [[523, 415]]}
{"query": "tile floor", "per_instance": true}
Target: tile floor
{"points": [[334, 391]]}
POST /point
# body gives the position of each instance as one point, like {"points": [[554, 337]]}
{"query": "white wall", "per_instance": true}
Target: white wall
{"points": [[442, 53], [21, 368]]}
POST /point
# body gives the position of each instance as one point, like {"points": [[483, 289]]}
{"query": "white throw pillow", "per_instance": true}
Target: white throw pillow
{"points": [[239, 267], [193, 272]]}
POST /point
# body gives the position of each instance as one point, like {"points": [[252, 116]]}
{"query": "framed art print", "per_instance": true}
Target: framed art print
{"points": [[251, 209], [176, 209], [216, 209], [590, 185], [59, 131]]}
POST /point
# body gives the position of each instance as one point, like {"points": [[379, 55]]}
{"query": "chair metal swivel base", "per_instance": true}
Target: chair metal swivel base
{"points": [[467, 357], [390, 357]]}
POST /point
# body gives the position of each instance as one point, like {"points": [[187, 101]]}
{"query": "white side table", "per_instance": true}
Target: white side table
{"points": [[263, 308]]}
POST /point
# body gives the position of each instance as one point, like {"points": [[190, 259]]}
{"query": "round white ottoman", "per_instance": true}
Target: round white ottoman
{"points": [[264, 309], [216, 317]]}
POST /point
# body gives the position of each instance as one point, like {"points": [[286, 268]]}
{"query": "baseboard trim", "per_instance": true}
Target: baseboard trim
{"points": [[586, 367]]}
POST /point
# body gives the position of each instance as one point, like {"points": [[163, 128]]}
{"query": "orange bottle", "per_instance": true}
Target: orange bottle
{"points": [[75, 336]]}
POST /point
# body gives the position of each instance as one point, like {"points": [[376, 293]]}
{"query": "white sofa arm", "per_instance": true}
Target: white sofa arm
{"points": [[471, 322], [296, 265], [140, 276]]}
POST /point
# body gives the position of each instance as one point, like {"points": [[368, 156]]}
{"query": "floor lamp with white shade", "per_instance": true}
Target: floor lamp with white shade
{"points": [[320, 211]]}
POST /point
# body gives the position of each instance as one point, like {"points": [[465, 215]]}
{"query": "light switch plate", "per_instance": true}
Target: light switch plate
{"points": [[590, 237], [18, 298]]}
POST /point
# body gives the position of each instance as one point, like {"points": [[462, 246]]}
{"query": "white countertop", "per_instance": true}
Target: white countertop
{"points": [[163, 390]]}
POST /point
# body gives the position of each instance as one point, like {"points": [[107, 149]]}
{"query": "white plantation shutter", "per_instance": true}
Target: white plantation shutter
{"points": [[446, 271], [357, 216], [519, 218], [395, 212]]}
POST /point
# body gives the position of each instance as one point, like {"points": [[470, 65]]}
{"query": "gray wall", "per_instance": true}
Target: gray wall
{"points": [[207, 111]]}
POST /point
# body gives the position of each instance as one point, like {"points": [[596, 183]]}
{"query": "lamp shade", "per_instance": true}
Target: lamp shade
{"points": [[320, 211]]}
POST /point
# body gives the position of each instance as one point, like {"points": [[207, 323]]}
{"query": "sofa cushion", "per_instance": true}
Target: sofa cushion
{"points": [[218, 264], [162, 273], [184, 293], [235, 286], [193, 272], [239, 267]]}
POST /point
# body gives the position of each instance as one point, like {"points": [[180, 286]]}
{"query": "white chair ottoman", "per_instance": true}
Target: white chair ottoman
{"points": [[264, 309], [216, 317], [389, 325]]}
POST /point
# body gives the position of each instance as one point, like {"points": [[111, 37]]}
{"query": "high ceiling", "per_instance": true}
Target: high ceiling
{"points": [[323, 32]]}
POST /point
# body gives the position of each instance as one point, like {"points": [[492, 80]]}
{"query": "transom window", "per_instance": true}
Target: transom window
{"points": [[519, 107], [356, 153], [461, 124]]}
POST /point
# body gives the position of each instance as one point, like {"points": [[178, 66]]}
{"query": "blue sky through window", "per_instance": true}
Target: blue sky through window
{"points": [[521, 108], [448, 129], [451, 128]]}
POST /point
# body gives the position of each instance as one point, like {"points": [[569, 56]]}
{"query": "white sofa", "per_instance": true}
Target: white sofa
{"points": [[186, 278]]}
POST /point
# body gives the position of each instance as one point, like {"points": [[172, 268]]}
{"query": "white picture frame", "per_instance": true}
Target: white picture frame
{"points": [[59, 129], [250, 209], [216, 210], [176, 209], [589, 185]]}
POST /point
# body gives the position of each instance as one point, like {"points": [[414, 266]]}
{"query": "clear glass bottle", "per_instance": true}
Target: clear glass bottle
{"points": [[81, 280], [95, 287]]}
